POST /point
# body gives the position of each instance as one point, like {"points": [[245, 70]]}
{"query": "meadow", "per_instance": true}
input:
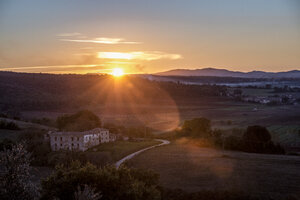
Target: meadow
{"points": [[192, 168], [112, 152]]}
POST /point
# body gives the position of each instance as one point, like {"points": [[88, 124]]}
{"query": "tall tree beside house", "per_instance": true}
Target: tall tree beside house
{"points": [[15, 181], [81, 121]]}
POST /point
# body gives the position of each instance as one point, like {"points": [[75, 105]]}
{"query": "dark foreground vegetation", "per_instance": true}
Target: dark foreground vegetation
{"points": [[86, 181]]}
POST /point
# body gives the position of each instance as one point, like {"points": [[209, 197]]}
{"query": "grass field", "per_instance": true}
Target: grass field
{"points": [[10, 134], [117, 150], [193, 168], [24, 126], [254, 91], [286, 135]]}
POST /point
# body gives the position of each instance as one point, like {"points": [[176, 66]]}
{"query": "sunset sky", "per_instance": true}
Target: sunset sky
{"points": [[148, 36]]}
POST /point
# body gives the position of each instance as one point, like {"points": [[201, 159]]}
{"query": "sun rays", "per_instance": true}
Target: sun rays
{"points": [[128, 100]]}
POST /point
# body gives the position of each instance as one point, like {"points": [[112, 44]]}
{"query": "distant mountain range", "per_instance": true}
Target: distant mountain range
{"points": [[227, 73]]}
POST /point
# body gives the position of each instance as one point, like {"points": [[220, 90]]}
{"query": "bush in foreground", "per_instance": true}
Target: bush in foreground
{"points": [[15, 181], [112, 183]]}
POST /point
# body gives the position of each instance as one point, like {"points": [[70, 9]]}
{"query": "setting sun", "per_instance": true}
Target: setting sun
{"points": [[117, 72]]}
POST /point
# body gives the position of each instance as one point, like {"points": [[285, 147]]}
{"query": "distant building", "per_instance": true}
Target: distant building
{"points": [[78, 141]]}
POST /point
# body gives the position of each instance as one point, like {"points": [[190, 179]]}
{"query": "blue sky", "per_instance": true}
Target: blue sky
{"points": [[60, 36]]}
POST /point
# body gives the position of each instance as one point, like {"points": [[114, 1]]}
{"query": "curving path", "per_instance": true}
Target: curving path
{"points": [[163, 142]]}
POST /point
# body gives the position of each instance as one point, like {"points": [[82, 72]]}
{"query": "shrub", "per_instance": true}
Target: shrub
{"points": [[87, 193], [198, 127], [15, 181], [114, 184]]}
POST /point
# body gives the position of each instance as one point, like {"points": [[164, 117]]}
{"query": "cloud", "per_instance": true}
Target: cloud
{"points": [[103, 40], [87, 48], [139, 55], [60, 69], [69, 34]]}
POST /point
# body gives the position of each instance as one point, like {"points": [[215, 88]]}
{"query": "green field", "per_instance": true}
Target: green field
{"points": [[286, 135], [114, 151], [193, 168]]}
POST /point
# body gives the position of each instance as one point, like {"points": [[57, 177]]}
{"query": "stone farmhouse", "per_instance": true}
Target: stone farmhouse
{"points": [[79, 141]]}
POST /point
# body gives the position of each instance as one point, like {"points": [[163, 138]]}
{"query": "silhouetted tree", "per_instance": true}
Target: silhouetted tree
{"points": [[257, 134], [80, 121], [198, 127], [257, 139], [15, 181]]}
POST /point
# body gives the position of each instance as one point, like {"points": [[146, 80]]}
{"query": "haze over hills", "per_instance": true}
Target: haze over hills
{"points": [[227, 73]]}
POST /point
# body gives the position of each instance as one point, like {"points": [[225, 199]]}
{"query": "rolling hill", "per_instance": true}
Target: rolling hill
{"points": [[228, 73]]}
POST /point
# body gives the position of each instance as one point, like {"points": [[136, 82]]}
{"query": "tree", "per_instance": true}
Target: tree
{"points": [[257, 139], [198, 127], [80, 121], [37, 146], [15, 178], [257, 134], [114, 184]]}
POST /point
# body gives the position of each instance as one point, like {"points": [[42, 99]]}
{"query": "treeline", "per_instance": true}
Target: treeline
{"points": [[256, 139], [48, 91]]}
